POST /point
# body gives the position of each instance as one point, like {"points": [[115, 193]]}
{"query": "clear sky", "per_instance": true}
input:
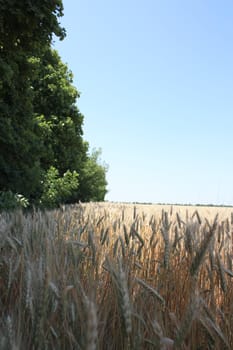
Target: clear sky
{"points": [[156, 83]]}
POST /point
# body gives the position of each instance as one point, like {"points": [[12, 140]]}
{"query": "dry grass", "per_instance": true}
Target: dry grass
{"points": [[105, 276]]}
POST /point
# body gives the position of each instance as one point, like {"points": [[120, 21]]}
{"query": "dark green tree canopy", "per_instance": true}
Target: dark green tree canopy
{"points": [[57, 115], [26, 28], [28, 25], [43, 154]]}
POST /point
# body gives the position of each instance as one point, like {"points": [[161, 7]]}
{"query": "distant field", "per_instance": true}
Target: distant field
{"points": [[180, 208], [156, 209], [117, 276]]}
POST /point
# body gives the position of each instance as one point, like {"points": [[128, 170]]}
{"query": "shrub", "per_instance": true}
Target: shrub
{"points": [[57, 190], [10, 200]]}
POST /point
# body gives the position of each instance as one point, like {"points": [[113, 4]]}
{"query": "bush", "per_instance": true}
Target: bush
{"points": [[57, 190], [11, 201]]}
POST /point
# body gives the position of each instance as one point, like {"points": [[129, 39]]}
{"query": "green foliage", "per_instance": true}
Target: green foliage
{"points": [[41, 135], [60, 127], [59, 120], [57, 189], [19, 164], [10, 201], [93, 181], [27, 25], [26, 29]]}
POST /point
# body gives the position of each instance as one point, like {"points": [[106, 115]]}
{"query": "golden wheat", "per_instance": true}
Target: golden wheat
{"points": [[108, 276]]}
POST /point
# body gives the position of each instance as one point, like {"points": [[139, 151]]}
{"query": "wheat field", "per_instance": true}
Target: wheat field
{"points": [[117, 276]]}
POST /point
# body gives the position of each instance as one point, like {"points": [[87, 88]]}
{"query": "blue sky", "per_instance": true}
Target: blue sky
{"points": [[156, 83]]}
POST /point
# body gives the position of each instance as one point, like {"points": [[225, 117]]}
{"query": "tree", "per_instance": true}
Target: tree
{"points": [[41, 136], [26, 28], [59, 120], [93, 183], [60, 128], [18, 142]]}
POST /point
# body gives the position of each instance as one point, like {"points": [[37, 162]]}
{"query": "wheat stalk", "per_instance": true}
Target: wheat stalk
{"points": [[91, 332], [221, 270], [200, 254], [151, 290], [187, 321]]}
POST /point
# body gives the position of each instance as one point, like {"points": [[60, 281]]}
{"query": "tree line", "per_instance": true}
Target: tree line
{"points": [[43, 155]]}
